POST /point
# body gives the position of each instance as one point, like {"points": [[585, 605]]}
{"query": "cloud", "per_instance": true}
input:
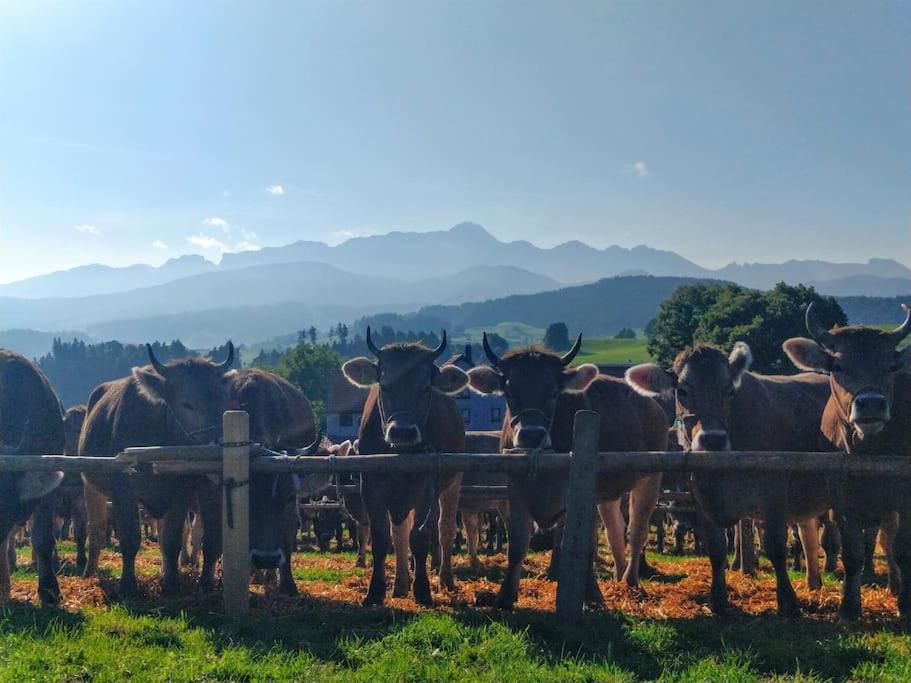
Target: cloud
{"points": [[207, 243], [158, 244], [249, 235], [338, 236], [640, 169], [275, 190], [216, 222], [246, 245], [86, 229]]}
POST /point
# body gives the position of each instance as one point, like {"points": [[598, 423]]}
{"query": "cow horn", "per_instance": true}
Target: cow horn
{"points": [[159, 367], [491, 356], [571, 354], [370, 345], [229, 361], [816, 330], [313, 448], [438, 351], [904, 329]]}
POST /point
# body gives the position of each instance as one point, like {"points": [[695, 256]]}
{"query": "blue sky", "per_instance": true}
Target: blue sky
{"points": [[133, 132]]}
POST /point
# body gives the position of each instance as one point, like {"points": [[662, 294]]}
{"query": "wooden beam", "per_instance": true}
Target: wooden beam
{"points": [[65, 463], [235, 525]]}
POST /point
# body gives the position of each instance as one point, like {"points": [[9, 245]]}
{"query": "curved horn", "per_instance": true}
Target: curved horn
{"points": [[229, 361], [491, 356], [370, 345], [159, 367], [313, 448], [904, 329], [571, 354], [815, 328], [438, 351]]}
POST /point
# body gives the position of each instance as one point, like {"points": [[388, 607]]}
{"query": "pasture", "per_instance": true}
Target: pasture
{"points": [[665, 632], [610, 351]]}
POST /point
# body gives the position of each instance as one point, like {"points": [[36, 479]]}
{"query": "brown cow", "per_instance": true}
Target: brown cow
{"points": [[543, 395], [409, 408], [31, 423], [868, 412], [720, 406]]}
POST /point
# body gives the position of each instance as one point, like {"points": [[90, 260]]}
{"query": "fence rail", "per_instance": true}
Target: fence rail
{"points": [[237, 458]]}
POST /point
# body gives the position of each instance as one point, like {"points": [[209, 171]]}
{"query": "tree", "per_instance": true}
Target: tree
{"points": [[307, 367], [311, 333], [557, 337], [722, 314], [626, 333]]}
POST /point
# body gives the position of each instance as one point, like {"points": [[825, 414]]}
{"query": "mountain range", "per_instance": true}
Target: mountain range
{"points": [[253, 295]]}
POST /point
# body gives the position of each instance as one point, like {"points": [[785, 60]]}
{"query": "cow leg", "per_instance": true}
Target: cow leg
{"points": [[887, 533], [642, 501], [449, 508], [659, 534], [375, 503], [808, 532], [79, 532], [209, 498], [612, 518], [6, 542], [96, 513], [43, 547], [126, 518], [553, 568], [869, 573], [519, 537], [901, 549], [363, 537], [716, 545], [401, 544], [286, 583], [472, 522], [830, 541], [795, 548], [775, 541], [852, 557], [170, 540]]}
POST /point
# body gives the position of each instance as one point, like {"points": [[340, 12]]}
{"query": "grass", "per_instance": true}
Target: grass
{"points": [[517, 334], [324, 635], [609, 351]]}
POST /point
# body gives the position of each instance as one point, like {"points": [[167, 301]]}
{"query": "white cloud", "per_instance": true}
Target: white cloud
{"points": [[246, 246], [275, 190], [338, 236], [216, 222], [158, 244], [86, 229], [207, 243], [249, 235], [640, 169]]}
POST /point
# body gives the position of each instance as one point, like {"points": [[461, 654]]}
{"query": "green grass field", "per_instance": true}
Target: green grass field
{"points": [[608, 351], [331, 640]]}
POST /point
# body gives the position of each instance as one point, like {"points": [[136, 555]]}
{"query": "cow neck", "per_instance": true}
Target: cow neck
{"points": [[194, 438]]}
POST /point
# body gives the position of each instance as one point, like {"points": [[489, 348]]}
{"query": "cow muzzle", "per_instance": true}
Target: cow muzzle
{"points": [[711, 440], [869, 413], [267, 559], [403, 434], [531, 437]]}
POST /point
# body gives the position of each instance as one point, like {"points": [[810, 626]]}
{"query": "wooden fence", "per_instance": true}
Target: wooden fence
{"points": [[232, 460]]}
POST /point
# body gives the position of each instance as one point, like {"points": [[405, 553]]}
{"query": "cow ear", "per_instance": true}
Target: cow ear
{"points": [[578, 379], [483, 379], [150, 382], [343, 448], [361, 372], [651, 380], [450, 380], [806, 354], [739, 362], [35, 485]]}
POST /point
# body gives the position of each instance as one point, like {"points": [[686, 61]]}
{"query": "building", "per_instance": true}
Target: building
{"points": [[480, 412]]}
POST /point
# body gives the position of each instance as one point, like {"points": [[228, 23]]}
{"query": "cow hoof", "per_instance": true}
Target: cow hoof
{"points": [[361, 563], [814, 584], [373, 600], [129, 589], [49, 597], [868, 577], [400, 591], [170, 587], [894, 586], [485, 599], [789, 611], [476, 565], [848, 614], [447, 584], [425, 600], [719, 607]]}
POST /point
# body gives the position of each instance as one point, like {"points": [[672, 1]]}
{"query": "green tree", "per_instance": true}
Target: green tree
{"points": [[556, 338], [626, 333], [307, 367], [675, 324]]}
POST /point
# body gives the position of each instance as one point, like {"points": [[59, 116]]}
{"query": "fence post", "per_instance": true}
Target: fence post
{"points": [[577, 551], [235, 513]]}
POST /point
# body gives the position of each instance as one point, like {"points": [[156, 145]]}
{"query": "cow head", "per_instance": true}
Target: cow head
{"points": [[193, 389], [272, 505], [704, 382], [862, 363], [72, 426], [407, 376], [532, 381]]}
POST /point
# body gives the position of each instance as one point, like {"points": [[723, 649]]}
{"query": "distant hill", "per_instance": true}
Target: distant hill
{"points": [[864, 285], [599, 309], [33, 344], [870, 310], [767, 275]]}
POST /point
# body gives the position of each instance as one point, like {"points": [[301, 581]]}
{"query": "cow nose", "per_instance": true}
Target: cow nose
{"points": [[403, 435], [870, 407], [267, 559], [711, 440], [532, 436]]}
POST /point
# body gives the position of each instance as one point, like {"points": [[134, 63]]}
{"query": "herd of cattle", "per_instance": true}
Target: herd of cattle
{"points": [[854, 395]]}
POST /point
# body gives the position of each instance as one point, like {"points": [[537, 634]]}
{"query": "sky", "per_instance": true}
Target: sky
{"points": [[725, 131]]}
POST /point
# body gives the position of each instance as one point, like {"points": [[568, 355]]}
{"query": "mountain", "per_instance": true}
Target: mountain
{"points": [[767, 275], [599, 308], [99, 279], [864, 285], [203, 309]]}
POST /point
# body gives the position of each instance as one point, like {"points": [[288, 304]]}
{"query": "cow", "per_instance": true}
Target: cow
{"points": [[69, 499], [868, 413], [722, 405], [31, 423], [473, 511], [543, 394], [409, 409]]}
